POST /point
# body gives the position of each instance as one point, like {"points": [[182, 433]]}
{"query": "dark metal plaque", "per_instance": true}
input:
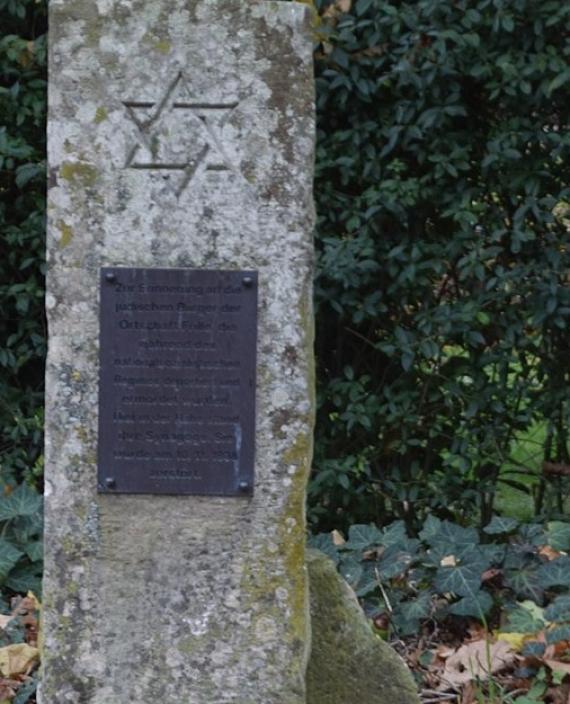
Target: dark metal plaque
{"points": [[177, 381]]}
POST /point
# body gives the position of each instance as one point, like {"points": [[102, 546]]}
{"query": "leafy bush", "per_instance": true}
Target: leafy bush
{"points": [[443, 252], [22, 268], [20, 544], [447, 573]]}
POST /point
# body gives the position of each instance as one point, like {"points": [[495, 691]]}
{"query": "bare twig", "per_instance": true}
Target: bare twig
{"points": [[384, 595], [436, 697]]}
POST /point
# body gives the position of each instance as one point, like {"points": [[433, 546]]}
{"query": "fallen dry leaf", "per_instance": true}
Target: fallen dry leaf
{"points": [[515, 640], [31, 602], [476, 631], [5, 620], [337, 8], [548, 552], [7, 690], [557, 694], [337, 538], [477, 661], [448, 561], [17, 659], [557, 666], [490, 574], [555, 650], [468, 694], [444, 651]]}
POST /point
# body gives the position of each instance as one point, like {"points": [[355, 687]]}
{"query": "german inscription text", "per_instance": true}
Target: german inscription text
{"points": [[177, 381]]}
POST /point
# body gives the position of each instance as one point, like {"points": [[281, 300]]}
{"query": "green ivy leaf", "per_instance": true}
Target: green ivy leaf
{"points": [[526, 617], [559, 609], [501, 524], [533, 648], [324, 543], [462, 579], [367, 585], [555, 573], [525, 583], [532, 533], [351, 569], [477, 604], [26, 528], [25, 691], [495, 554], [558, 535], [454, 537], [417, 608], [9, 556], [555, 635], [363, 537], [431, 528], [23, 501], [408, 615], [25, 579], [394, 534], [35, 550], [394, 563]]}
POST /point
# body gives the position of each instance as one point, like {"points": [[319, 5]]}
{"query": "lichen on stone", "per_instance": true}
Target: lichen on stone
{"points": [[100, 115], [78, 173], [66, 234]]}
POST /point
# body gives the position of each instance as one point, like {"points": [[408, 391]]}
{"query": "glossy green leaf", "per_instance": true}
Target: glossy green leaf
{"points": [[9, 556], [478, 604], [23, 501], [555, 573], [558, 535], [501, 524]]}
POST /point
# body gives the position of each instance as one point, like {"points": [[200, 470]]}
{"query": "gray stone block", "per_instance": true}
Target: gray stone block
{"points": [[180, 135]]}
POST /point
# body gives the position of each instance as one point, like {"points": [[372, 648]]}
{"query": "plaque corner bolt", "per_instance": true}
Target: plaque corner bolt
{"points": [[110, 277], [244, 486], [110, 483], [247, 281]]}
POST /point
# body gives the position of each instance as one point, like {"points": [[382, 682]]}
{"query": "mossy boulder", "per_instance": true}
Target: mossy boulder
{"points": [[349, 664]]}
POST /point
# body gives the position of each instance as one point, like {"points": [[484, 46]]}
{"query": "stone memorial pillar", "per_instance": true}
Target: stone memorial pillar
{"points": [[179, 378]]}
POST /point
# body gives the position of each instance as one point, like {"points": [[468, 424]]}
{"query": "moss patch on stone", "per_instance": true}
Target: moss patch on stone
{"points": [[77, 173], [66, 234], [100, 115], [163, 46], [293, 534], [349, 664]]}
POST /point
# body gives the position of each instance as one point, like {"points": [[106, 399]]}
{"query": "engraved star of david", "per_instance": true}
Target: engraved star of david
{"points": [[178, 134]]}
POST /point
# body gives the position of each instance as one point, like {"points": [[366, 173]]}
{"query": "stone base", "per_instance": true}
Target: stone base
{"points": [[348, 663]]}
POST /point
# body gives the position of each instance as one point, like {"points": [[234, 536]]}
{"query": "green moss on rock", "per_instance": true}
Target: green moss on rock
{"points": [[78, 173], [66, 234], [348, 663], [101, 115]]}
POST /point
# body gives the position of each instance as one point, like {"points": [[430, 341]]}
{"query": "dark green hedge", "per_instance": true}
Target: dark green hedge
{"points": [[22, 214], [442, 298], [443, 253], [22, 326]]}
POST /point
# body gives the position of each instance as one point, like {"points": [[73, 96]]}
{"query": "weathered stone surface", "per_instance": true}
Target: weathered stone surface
{"points": [[180, 135], [348, 663]]}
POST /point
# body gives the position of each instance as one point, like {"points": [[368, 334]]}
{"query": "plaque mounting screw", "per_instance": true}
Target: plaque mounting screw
{"points": [[110, 277], [110, 483], [247, 281], [243, 486]]}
